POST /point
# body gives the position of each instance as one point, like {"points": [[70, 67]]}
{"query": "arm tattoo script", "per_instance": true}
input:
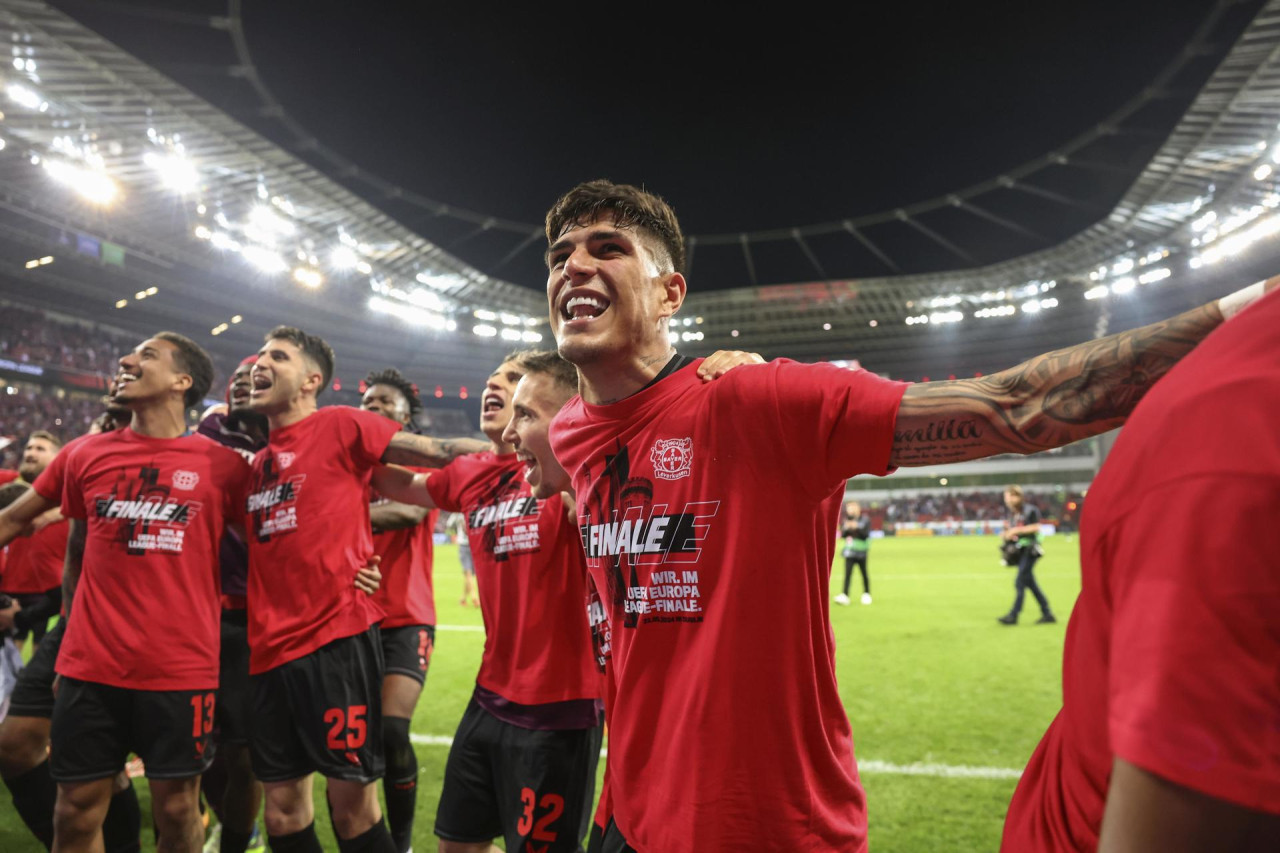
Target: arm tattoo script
{"points": [[425, 452], [1048, 401]]}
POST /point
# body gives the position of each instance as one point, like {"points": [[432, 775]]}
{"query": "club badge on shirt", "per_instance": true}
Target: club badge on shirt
{"points": [[148, 518], [672, 458]]}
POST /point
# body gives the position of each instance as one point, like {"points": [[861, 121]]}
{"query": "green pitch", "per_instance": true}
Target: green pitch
{"points": [[946, 704]]}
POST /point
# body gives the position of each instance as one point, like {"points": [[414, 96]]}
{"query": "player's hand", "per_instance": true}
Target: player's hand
{"points": [[722, 361], [7, 614], [368, 579]]}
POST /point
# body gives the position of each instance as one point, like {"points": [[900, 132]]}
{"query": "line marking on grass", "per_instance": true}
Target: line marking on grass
{"points": [[459, 627], [918, 768], [945, 771]]}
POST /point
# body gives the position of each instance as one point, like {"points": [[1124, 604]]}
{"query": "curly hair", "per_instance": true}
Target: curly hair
{"points": [[394, 378]]}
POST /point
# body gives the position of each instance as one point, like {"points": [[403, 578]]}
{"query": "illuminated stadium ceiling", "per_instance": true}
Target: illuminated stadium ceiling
{"points": [[161, 210]]}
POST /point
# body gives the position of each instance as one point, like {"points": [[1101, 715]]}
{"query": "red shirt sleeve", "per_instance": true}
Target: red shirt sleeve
{"points": [[832, 423], [70, 492], [1193, 691], [49, 484], [366, 435], [445, 487]]}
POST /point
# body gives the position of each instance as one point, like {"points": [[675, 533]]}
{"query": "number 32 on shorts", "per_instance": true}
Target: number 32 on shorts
{"points": [[552, 806]]}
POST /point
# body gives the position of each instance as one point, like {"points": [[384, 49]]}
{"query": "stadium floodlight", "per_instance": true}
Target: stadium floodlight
{"points": [[673, 337], [140, 295], [946, 317], [510, 334], [264, 259], [1204, 222], [826, 327], [872, 324], [425, 299], [408, 313], [237, 318], [343, 258], [224, 242], [262, 217], [120, 303], [364, 267], [152, 291], [484, 330], [2, 142], [451, 325], [1122, 266], [483, 314], [510, 319], [24, 97], [1097, 292], [308, 277], [734, 333], [93, 186], [1262, 172], [530, 337], [203, 233], [1123, 285], [1152, 276], [1031, 307], [176, 172]]}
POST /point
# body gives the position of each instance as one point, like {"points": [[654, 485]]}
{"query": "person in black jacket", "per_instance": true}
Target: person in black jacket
{"points": [[1024, 527]]}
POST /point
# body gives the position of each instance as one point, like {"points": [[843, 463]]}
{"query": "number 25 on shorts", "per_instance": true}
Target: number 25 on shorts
{"points": [[347, 727]]}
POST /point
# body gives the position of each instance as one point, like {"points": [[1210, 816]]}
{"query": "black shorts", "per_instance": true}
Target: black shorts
{"points": [[321, 712], [613, 842], [406, 650], [235, 700], [95, 727], [33, 694], [523, 785]]}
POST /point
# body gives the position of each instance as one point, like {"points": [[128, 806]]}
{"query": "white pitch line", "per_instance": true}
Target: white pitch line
{"points": [[918, 768], [945, 771]]}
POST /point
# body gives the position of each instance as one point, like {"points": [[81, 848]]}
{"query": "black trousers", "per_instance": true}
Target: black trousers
{"points": [[1025, 581]]}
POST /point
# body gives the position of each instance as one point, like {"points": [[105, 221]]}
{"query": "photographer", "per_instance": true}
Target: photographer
{"points": [[1024, 528]]}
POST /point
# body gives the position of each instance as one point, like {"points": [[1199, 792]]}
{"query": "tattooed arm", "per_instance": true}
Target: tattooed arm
{"points": [[393, 515], [1048, 401], [425, 452]]}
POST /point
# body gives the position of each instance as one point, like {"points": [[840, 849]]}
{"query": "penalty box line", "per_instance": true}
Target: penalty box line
{"points": [[917, 768]]}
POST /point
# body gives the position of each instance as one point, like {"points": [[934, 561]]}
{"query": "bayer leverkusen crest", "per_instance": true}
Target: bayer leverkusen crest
{"points": [[672, 458]]}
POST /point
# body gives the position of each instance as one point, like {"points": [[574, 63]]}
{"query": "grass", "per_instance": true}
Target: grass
{"points": [[926, 674]]}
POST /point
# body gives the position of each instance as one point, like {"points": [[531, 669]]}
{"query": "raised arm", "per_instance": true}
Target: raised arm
{"points": [[426, 452], [17, 516], [401, 484], [1047, 401]]}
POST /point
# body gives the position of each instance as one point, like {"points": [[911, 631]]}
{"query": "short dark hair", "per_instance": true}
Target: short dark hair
{"points": [[11, 491], [192, 360], [313, 347], [396, 380], [45, 435], [631, 207], [550, 363]]}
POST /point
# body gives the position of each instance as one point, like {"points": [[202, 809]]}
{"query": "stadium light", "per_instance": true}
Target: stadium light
{"points": [[120, 303], [237, 318], [1031, 307], [308, 277], [263, 218], [264, 259], [510, 334], [482, 314], [1097, 292], [224, 242], [24, 97], [1262, 172], [1155, 275], [343, 258], [93, 186], [408, 313], [1123, 285], [175, 171], [484, 331], [530, 337]]}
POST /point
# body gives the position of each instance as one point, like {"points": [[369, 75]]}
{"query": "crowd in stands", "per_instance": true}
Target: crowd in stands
{"points": [[24, 409], [968, 506], [31, 337]]}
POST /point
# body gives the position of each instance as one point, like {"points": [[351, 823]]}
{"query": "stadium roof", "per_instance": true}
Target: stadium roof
{"points": [[133, 183]]}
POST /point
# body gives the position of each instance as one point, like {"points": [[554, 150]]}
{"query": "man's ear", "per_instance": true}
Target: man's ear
{"points": [[674, 289]]}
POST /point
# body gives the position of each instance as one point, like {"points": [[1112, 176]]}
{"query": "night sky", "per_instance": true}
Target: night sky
{"points": [[743, 119]]}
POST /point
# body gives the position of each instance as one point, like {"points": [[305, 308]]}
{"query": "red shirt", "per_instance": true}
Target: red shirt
{"points": [[406, 594], [7, 475], [146, 611], [34, 563], [532, 582], [1171, 654], [706, 511], [308, 531]]}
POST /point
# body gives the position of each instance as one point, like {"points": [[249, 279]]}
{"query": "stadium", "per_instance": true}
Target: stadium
{"points": [[175, 166]]}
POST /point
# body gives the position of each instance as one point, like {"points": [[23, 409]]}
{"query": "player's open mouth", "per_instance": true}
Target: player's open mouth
{"points": [[260, 383], [240, 392], [530, 462], [492, 403], [123, 379], [584, 307]]}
